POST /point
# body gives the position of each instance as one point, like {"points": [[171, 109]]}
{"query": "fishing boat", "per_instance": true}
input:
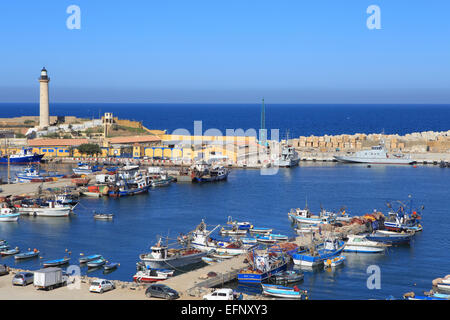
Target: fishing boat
{"points": [[25, 156], [8, 215], [163, 180], [163, 257], [92, 257], [96, 263], [262, 267], [316, 255], [248, 240], [32, 174], [124, 188], [10, 252], [56, 262], [4, 247], [203, 172], [84, 168], [289, 276], [360, 244], [284, 292], [334, 262], [27, 255], [304, 216], [103, 216], [110, 266], [400, 219], [50, 208], [390, 237]]}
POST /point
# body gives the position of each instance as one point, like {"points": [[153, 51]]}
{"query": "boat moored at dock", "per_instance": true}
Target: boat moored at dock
{"points": [[316, 255], [360, 244], [284, 292]]}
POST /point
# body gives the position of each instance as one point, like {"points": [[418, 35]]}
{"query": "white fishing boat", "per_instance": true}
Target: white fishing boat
{"points": [[304, 216], [360, 244], [284, 292], [163, 257], [8, 215], [48, 209]]}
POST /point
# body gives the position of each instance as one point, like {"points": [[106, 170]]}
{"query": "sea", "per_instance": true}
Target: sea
{"points": [[264, 200]]}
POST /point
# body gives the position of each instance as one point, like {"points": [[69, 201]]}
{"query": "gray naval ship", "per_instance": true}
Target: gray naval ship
{"points": [[288, 157], [376, 155]]}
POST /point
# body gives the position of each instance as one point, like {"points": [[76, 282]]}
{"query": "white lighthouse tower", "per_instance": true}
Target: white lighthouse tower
{"points": [[44, 114]]}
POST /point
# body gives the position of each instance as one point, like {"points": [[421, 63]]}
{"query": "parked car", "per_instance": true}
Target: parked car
{"points": [[3, 270], [23, 278], [221, 294], [159, 290], [101, 285]]}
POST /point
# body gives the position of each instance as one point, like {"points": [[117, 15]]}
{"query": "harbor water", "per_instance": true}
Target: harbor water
{"points": [[265, 201]]}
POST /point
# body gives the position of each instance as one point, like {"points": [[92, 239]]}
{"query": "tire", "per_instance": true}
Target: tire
{"points": [[101, 291]]}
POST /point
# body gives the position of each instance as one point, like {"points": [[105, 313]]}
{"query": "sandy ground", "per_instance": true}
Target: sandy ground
{"points": [[29, 292]]}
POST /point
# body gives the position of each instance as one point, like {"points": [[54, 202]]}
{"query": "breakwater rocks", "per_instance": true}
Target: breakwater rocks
{"points": [[427, 141]]}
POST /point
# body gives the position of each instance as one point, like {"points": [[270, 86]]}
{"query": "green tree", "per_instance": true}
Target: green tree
{"points": [[89, 148]]}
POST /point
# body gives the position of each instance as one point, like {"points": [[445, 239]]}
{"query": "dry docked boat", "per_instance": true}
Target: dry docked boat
{"points": [[147, 275], [360, 244], [163, 257]]}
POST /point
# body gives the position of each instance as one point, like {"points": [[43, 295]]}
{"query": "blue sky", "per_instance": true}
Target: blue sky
{"points": [[289, 51]]}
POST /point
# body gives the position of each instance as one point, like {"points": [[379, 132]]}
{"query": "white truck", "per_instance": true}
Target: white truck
{"points": [[221, 294], [49, 278]]}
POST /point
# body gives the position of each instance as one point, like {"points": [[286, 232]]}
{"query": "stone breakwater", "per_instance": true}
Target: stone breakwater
{"points": [[417, 142]]}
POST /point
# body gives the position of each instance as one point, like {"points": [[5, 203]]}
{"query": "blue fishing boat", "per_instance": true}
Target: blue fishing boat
{"points": [[96, 263], [110, 265], [271, 238], [262, 267], [89, 258], [390, 237], [27, 255], [284, 292], [56, 262], [316, 255], [25, 156], [403, 218], [84, 168], [33, 174]]}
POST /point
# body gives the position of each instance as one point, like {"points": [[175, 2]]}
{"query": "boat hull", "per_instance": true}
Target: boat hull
{"points": [[46, 212], [176, 262], [373, 161], [22, 160], [259, 277], [9, 217]]}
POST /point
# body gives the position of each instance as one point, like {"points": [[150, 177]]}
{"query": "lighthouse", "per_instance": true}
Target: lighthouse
{"points": [[44, 115]]}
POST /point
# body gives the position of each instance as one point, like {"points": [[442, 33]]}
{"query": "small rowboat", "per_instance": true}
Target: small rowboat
{"points": [[26, 255], [10, 252], [103, 216], [289, 276], [248, 240], [110, 266], [57, 262], [261, 230], [222, 255], [284, 292], [96, 263], [89, 258], [334, 262]]}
